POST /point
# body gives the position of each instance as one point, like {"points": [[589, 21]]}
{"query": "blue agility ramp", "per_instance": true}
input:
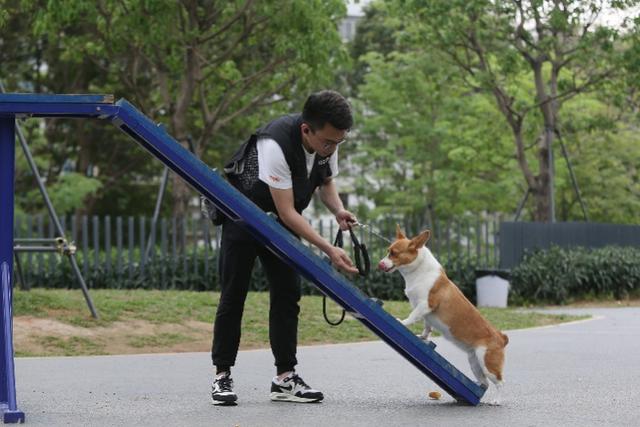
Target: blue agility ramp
{"points": [[161, 145]]}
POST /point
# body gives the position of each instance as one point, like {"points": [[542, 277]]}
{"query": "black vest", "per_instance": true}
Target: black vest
{"points": [[242, 169]]}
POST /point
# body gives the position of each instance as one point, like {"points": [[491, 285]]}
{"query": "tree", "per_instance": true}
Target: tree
{"points": [[375, 34], [427, 149], [201, 64], [560, 45]]}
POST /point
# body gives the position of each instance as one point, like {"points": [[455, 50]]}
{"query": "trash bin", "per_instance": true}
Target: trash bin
{"points": [[492, 288]]}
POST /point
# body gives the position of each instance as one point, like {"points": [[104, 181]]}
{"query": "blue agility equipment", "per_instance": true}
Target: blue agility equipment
{"points": [[265, 229]]}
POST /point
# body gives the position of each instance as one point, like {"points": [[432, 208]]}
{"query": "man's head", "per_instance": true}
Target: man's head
{"points": [[326, 120]]}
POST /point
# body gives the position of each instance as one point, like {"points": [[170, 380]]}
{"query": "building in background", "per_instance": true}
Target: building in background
{"points": [[355, 13]]}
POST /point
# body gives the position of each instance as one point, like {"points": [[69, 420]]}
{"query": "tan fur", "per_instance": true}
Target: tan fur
{"points": [[467, 324], [445, 300]]}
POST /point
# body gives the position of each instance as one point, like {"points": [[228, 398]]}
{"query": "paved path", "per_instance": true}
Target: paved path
{"points": [[581, 374]]}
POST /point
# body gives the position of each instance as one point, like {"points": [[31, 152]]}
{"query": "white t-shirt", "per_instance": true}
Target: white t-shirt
{"points": [[273, 168]]}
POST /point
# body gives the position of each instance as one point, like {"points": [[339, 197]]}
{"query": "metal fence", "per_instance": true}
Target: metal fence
{"points": [[519, 237], [131, 248]]}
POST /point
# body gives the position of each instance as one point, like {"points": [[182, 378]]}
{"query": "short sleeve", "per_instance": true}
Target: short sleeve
{"points": [[273, 169]]}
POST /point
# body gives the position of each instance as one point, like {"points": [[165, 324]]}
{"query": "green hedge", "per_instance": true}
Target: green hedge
{"points": [[556, 276], [158, 273], [559, 276], [166, 273]]}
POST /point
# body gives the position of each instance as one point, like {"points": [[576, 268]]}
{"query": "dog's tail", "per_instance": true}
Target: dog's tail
{"points": [[505, 338]]}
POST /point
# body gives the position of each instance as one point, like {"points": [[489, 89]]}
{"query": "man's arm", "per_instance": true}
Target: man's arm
{"points": [[283, 199], [331, 199]]}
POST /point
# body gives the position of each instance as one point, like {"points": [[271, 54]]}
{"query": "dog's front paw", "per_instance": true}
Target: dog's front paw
{"points": [[424, 336]]}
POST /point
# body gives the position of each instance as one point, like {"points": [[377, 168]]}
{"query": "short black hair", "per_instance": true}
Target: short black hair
{"points": [[327, 106]]}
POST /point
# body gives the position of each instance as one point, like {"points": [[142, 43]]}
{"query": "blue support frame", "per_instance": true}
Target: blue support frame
{"points": [[8, 404], [161, 145]]}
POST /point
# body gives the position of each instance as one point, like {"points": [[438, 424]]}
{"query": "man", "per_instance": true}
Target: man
{"points": [[279, 168]]}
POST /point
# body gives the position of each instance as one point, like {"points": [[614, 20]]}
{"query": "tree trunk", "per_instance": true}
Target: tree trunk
{"points": [[543, 193], [180, 190]]}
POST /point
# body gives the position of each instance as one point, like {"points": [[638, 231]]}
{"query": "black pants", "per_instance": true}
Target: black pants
{"points": [[237, 256]]}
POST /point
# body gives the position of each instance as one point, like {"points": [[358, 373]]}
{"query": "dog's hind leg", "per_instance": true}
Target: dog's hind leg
{"points": [[492, 364], [476, 368]]}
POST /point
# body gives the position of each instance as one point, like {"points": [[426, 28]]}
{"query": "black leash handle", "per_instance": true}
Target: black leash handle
{"points": [[324, 313], [361, 255]]}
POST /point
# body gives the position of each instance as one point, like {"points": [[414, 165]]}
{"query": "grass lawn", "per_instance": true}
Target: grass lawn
{"points": [[58, 322]]}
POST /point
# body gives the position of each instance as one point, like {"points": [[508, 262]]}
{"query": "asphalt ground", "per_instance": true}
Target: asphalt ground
{"points": [[579, 374]]}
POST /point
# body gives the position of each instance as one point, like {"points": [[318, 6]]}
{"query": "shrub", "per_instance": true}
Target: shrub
{"points": [[560, 275], [201, 274]]}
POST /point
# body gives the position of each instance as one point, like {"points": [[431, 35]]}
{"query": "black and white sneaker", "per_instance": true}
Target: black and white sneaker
{"points": [[293, 389], [222, 390]]}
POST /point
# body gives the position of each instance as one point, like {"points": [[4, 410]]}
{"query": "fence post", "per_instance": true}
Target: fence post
{"points": [[85, 246], [496, 240], [40, 235], [28, 270], [195, 247], [163, 249], [184, 247], [478, 244], [119, 248], [51, 256], [142, 248], [96, 243], [174, 250], [107, 243], [207, 244], [486, 242], [131, 235]]}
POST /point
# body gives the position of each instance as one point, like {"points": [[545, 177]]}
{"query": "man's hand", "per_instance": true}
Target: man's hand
{"points": [[345, 219], [341, 260]]}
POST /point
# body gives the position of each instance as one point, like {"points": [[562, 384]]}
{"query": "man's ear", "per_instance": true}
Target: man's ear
{"points": [[419, 241], [399, 233]]}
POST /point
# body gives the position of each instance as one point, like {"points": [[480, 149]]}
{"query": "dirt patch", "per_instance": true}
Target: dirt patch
{"points": [[48, 337]]}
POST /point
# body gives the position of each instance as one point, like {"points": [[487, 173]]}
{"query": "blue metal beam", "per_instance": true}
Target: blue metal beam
{"points": [[8, 404], [34, 98], [155, 139], [80, 106]]}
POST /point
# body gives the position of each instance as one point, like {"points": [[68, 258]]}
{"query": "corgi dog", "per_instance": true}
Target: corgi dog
{"points": [[440, 304]]}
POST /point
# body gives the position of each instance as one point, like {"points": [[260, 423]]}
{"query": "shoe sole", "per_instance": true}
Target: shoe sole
{"points": [[224, 402], [284, 397]]}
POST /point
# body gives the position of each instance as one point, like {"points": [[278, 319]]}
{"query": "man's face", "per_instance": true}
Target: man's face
{"points": [[323, 141]]}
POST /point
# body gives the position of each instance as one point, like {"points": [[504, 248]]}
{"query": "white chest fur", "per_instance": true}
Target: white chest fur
{"points": [[420, 276]]}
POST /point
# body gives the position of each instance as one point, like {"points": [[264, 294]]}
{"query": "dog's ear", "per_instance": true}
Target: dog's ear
{"points": [[419, 241], [399, 233]]}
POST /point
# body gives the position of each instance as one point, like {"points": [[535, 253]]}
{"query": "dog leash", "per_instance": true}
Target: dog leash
{"points": [[363, 264], [378, 235], [361, 253]]}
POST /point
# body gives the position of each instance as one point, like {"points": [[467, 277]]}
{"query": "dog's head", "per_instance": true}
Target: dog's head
{"points": [[403, 250]]}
